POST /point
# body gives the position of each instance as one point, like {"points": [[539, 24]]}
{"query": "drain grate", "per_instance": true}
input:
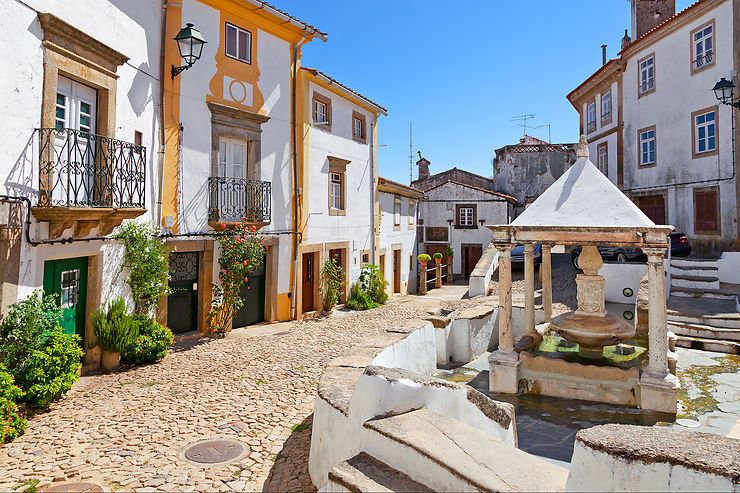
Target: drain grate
{"points": [[75, 488], [214, 451]]}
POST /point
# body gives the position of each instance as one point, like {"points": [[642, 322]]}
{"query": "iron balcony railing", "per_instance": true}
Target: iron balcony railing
{"points": [[233, 199], [81, 169], [704, 60]]}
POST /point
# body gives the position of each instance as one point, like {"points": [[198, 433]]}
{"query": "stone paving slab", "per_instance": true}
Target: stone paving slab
{"points": [[127, 431]]}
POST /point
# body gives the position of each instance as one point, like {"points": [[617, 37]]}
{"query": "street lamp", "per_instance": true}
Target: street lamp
{"points": [[190, 43], [723, 91]]}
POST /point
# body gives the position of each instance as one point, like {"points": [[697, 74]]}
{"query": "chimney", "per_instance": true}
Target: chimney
{"points": [[626, 40], [648, 14], [423, 165], [603, 54]]}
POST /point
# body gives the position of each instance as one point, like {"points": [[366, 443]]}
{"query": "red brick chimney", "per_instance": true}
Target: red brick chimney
{"points": [[423, 165], [647, 14]]}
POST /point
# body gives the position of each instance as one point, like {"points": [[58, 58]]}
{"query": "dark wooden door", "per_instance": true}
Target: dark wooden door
{"points": [[308, 281], [396, 271], [654, 207], [67, 279], [252, 293], [471, 256], [182, 304]]}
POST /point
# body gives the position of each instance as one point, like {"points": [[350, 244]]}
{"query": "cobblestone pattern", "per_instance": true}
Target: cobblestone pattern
{"points": [[127, 431]]}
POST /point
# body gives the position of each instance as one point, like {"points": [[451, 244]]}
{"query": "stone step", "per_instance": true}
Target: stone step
{"points": [[695, 282], [363, 472], [695, 263], [703, 311], [692, 329], [718, 294], [717, 346], [695, 270], [447, 455]]}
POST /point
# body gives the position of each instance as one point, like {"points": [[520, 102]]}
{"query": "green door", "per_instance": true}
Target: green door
{"points": [[67, 279], [253, 294]]}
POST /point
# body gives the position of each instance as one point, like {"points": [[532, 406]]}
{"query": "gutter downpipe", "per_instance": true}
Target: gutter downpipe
{"points": [[373, 210], [162, 148]]}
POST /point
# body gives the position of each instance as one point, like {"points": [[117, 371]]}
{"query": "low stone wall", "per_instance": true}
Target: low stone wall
{"points": [[483, 271], [638, 458], [620, 277], [729, 267]]}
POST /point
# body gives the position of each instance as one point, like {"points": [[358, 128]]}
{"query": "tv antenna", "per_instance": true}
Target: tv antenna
{"points": [[524, 119], [549, 138], [411, 153]]}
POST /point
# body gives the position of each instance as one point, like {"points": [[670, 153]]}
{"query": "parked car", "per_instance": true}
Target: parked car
{"points": [[680, 247], [517, 254]]}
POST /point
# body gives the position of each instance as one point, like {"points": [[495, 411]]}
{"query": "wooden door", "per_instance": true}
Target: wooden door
{"points": [[654, 207], [182, 304], [67, 280], [382, 265], [396, 271], [307, 282], [471, 256]]}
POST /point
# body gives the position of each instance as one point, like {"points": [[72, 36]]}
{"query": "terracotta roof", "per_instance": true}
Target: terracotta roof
{"points": [[290, 17], [499, 194], [331, 80], [386, 181]]}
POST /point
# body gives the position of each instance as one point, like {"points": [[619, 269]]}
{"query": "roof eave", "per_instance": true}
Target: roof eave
{"points": [[310, 30], [328, 80]]}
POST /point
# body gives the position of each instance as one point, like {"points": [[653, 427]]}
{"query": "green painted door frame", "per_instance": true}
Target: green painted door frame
{"points": [[67, 279]]}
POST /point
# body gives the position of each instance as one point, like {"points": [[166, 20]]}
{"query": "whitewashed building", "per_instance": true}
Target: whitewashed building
{"points": [[655, 126], [397, 248], [81, 127]]}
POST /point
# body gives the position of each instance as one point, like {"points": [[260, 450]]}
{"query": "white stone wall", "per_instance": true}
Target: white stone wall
{"points": [[678, 93], [405, 235]]}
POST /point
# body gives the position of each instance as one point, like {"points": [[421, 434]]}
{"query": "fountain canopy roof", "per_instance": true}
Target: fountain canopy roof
{"points": [[582, 204]]}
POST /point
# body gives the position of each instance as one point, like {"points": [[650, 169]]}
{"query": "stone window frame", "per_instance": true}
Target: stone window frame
{"points": [[641, 93], [318, 97], [692, 56], [363, 119], [639, 147], [397, 219], [603, 145], [718, 230], [695, 154], [458, 207], [227, 121], [339, 166]]}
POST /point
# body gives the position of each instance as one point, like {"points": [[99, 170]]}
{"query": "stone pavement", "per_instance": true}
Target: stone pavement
{"points": [[127, 431]]}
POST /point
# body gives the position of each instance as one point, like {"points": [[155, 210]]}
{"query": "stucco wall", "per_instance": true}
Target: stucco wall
{"points": [[404, 235]]}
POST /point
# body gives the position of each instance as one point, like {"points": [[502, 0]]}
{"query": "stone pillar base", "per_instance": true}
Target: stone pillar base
{"points": [[659, 393], [504, 372]]}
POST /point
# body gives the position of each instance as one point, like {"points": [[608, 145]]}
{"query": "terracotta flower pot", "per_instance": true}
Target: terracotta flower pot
{"points": [[110, 361], [424, 263], [93, 355], [438, 260]]}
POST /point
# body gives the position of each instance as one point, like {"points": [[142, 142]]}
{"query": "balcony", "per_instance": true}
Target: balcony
{"points": [[88, 180], [702, 61], [233, 199]]}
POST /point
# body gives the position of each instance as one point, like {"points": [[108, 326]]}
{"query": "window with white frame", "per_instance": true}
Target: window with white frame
{"points": [[647, 147], [412, 213], [702, 42], [238, 43], [591, 117], [647, 74], [397, 212], [335, 191], [705, 132], [320, 112], [606, 107], [465, 216], [357, 127], [603, 157]]}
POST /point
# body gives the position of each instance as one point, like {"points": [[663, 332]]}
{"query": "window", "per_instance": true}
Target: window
{"points": [[365, 258], [412, 214], [704, 132], [322, 111], [603, 160], [591, 121], [397, 214], [702, 47], [336, 191], [238, 43], [646, 74], [337, 186], [70, 288], [466, 216], [606, 108], [61, 112], [359, 132], [232, 158], [706, 209], [647, 146]]}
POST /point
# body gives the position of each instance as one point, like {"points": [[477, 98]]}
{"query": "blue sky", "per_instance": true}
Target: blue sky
{"points": [[461, 70]]}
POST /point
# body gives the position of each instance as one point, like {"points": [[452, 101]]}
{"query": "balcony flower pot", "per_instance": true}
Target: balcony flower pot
{"points": [[424, 263], [110, 361], [438, 260]]}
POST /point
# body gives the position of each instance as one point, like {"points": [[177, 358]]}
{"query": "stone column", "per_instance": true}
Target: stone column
{"points": [[529, 287], [449, 270], [546, 274], [504, 363], [438, 275], [658, 387], [422, 278]]}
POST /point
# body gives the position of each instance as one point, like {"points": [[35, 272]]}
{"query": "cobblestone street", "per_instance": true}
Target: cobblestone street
{"points": [[128, 430]]}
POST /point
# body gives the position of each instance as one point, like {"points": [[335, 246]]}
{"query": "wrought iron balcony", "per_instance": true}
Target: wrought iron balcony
{"points": [[233, 199], [81, 169]]}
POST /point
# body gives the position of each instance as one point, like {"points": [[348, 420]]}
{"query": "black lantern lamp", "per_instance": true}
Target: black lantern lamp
{"points": [[190, 43], [724, 90]]}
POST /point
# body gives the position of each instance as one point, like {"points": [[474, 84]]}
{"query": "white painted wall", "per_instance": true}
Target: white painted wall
{"points": [[678, 93], [355, 225], [492, 209], [621, 276], [729, 267], [405, 235], [135, 31]]}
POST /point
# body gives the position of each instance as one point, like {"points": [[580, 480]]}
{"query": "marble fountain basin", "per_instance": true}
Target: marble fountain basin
{"points": [[592, 333]]}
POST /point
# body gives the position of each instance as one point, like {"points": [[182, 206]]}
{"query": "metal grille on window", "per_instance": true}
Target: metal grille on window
{"points": [[184, 266], [70, 288]]}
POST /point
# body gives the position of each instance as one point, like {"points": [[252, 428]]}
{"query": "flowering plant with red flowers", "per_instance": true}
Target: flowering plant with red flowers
{"points": [[242, 251]]}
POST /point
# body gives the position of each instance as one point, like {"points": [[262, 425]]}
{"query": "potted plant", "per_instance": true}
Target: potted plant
{"points": [[449, 252], [115, 330], [424, 258], [438, 258]]}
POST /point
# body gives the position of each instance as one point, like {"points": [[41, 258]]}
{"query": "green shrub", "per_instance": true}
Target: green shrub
{"points": [[423, 258], [12, 424], [115, 329], [23, 329], [437, 255], [151, 344], [449, 251], [52, 369], [333, 281], [372, 282], [359, 299]]}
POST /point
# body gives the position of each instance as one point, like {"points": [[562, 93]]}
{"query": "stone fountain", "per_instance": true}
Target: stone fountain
{"points": [[590, 326]]}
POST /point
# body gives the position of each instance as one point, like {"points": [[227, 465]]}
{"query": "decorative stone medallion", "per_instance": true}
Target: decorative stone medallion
{"points": [[75, 488], [214, 451]]}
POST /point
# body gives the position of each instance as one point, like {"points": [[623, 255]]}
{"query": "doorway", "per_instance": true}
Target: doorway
{"points": [[67, 280], [182, 304], [252, 293], [232, 169], [308, 281], [470, 256], [396, 271], [654, 207]]}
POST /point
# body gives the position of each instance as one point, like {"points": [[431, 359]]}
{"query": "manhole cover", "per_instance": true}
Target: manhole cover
{"points": [[214, 451], [688, 423], [75, 487]]}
